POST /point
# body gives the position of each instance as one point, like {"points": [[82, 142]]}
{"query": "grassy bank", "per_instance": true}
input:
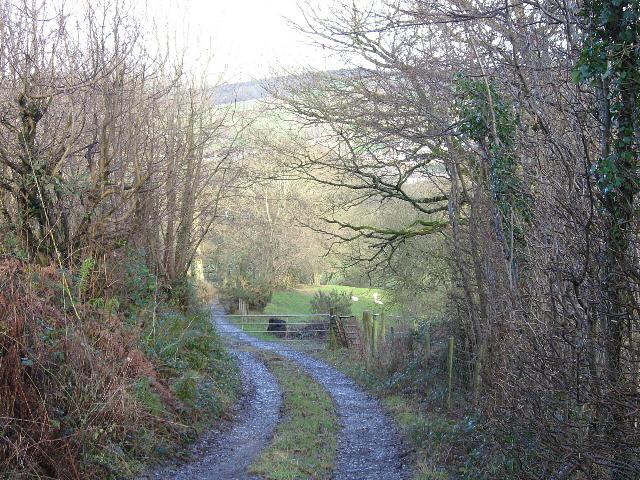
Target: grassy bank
{"points": [[304, 445], [192, 383], [101, 388]]}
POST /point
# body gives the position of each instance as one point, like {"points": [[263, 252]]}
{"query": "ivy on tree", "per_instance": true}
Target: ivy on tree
{"points": [[488, 119], [610, 61]]}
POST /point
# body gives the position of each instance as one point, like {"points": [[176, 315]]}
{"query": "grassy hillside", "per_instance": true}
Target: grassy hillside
{"points": [[298, 300]]}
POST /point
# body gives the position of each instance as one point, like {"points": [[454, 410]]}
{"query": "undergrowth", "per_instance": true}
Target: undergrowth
{"points": [[90, 391]]}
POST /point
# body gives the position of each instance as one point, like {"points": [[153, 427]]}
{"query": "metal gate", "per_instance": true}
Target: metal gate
{"points": [[300, 330]]}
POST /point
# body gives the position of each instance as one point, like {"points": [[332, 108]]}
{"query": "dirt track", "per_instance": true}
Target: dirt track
{"points": [[369, 447], [228, 453]]}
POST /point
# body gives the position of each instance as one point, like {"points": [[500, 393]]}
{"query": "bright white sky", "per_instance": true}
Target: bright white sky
{"points": [[251, 39]]}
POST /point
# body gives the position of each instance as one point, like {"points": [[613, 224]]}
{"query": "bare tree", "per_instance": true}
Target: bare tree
{"points": [[534, 195]]}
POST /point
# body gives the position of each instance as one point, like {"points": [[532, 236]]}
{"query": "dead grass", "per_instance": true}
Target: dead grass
{"points": [[32, 437], [79, 398]]}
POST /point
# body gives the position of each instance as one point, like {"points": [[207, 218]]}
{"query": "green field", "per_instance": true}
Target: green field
{"points": [[298, 300]]}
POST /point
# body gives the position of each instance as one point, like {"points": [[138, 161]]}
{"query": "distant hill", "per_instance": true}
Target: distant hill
{"points": [[240, 92], [258, 89]]}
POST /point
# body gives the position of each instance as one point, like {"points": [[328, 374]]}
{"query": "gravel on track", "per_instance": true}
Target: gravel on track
{"points": [[369, 446]]}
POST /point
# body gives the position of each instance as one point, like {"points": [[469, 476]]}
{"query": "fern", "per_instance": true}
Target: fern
{"points": [[112, 306], [86, 269], [97, 303]]}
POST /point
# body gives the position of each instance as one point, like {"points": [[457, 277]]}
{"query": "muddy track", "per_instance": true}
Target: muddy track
{"points": [[369, 446], [227, 454]]}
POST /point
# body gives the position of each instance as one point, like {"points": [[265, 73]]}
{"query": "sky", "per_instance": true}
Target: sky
{"points": [[250, 39]]}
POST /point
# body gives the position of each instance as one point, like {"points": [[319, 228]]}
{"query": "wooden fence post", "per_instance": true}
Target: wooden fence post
{"points": [[372, 335], [333, 327], [450, 369], [366, 328], [243, 308]]}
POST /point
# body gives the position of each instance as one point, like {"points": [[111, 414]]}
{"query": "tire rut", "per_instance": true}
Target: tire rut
{"points": [[228, 454], [369, 446]]}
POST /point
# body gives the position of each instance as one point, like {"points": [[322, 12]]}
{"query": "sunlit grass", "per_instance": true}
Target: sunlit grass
{"points": [[298, 300]]}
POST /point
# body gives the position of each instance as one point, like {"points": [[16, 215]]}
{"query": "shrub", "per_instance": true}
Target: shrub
{"points": [[337, 301], [186, 386], [57, 365], [256, 295], [183, 294]]}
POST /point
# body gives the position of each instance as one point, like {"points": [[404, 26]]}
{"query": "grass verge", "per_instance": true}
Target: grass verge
{"points": [[305, 442], [203, 379]]}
